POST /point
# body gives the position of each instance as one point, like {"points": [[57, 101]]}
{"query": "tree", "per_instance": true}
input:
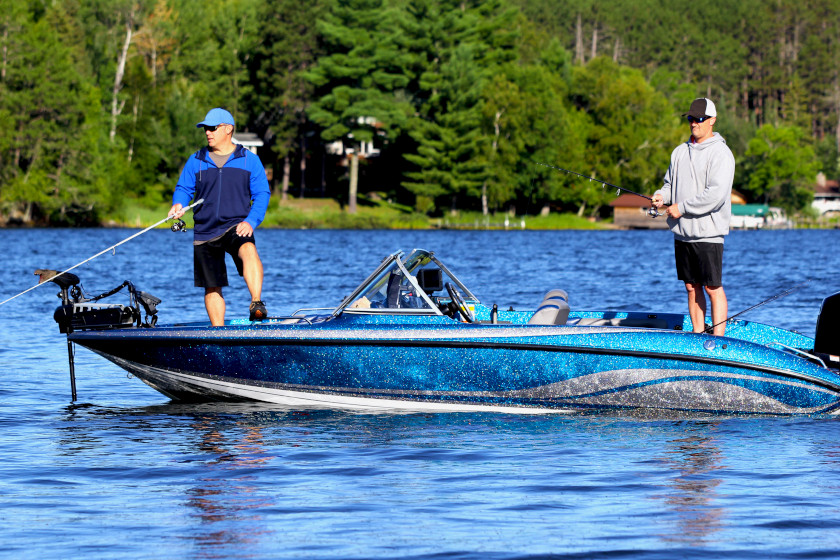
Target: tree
{"points": [[634, 129], [288, 47], [553, 132], [449, 145], [460, 46], [782, 167], [48, 169], [358, 85]]}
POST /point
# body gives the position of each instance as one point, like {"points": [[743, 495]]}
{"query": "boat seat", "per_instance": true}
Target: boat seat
{"points": [[554, 309], [601, 322]]}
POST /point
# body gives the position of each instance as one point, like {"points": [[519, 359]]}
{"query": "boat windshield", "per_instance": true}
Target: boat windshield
{"points": [[416, 284]]}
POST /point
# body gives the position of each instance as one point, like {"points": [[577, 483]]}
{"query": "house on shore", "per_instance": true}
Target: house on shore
{"points": [[631, 212], [826, 196], [249, 140]]}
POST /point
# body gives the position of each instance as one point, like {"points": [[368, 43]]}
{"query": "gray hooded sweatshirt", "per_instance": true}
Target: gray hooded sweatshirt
{"points": [[699, 181]]}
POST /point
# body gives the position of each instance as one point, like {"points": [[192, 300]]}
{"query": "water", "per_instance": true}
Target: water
{"points": [[124, 473]]}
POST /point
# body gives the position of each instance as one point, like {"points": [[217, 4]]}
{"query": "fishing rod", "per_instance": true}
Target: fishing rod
{"points": [[177, 226], [653, 213], [768, 300]]}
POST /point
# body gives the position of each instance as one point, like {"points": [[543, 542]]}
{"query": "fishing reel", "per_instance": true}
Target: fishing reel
{"points": [[179, 225], [652, 212]]}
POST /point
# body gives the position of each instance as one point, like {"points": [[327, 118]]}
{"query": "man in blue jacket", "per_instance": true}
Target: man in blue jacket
{"points": [[232, 182]]}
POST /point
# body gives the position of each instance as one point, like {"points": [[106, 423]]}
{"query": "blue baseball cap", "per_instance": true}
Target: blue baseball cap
{"points": [[215, 117]]}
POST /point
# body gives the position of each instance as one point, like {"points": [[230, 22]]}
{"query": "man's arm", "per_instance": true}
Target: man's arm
{"points": [[184, 189], [663, 195], [260, 196]]}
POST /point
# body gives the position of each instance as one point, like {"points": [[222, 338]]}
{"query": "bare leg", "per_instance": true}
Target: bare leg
{"points": [[696, 307], [215, 304], [252, 270], [720, 308]]}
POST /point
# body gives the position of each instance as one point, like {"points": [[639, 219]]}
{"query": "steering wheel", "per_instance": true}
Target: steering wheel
{"points": [[460, 304]]}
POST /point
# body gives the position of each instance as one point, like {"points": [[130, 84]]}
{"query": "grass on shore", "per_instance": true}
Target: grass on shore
{"points": [[319, 213], [476, 220]]}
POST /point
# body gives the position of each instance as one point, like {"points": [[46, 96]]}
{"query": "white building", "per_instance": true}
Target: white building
{"points": [[248, 139], [826, 196]]}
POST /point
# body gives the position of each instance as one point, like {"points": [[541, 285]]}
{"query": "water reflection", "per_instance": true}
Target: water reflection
{"points": [[827, 450], [695, 459], [228, 498]]}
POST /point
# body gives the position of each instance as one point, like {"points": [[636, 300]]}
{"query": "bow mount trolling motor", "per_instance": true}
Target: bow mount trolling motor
{"points": [[80, 313]]}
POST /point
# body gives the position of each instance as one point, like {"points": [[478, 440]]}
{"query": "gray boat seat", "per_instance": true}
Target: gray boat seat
{"points": [[554, 309]]}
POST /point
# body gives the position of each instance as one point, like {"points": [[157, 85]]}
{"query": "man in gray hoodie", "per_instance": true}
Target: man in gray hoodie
{"points": [[696, 196]]}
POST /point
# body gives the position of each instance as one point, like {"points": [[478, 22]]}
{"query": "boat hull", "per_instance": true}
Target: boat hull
{"points": [[516, 369]]}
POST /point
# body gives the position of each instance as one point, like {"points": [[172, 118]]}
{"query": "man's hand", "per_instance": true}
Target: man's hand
{"points": [[244, 229], [657, 201], [673, 211], [176, 211]]}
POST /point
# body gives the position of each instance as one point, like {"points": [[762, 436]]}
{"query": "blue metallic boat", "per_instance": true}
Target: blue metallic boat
{"points": [[412, 336]]}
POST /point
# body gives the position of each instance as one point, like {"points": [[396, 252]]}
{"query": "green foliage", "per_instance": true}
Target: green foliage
{"points": [[781, 166], [450, 140], [463, 98], [312, 214], [633, 129], [828, 156], [479, 221], [287, 47], [51, 111], [461, 46], [356, 83]]}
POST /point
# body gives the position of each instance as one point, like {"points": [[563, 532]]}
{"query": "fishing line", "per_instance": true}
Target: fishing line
{"points": [[768, 300], [111, 248], [652, 212]]}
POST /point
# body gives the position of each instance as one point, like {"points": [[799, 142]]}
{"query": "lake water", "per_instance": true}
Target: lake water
{"points": [[125, 473]]}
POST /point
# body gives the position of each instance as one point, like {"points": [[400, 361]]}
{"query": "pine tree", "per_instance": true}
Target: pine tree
{"points": [[358, 85], [51, 111], [462, 43]]}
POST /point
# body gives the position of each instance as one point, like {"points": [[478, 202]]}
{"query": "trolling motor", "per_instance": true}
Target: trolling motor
{"points": [[80, 313]]}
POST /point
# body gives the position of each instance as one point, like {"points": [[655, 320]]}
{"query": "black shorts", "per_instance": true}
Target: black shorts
{"points": [[699, 263], [209, 266]]}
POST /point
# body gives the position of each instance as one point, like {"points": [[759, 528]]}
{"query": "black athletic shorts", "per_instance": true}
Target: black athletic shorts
{"points": [[699, 263], [209, 259]]}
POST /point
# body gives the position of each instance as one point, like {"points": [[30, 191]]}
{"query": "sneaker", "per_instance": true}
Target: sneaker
{"points": [[258, 312]]}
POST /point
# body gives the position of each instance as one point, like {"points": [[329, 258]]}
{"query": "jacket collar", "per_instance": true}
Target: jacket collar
{"points": [[238, 151]]}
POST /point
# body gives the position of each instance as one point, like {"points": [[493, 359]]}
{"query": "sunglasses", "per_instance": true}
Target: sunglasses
{"points": [[697, 119], [211, 128]]}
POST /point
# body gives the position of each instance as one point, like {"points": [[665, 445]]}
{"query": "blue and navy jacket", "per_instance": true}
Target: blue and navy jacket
{"points": [[236, 192]]}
